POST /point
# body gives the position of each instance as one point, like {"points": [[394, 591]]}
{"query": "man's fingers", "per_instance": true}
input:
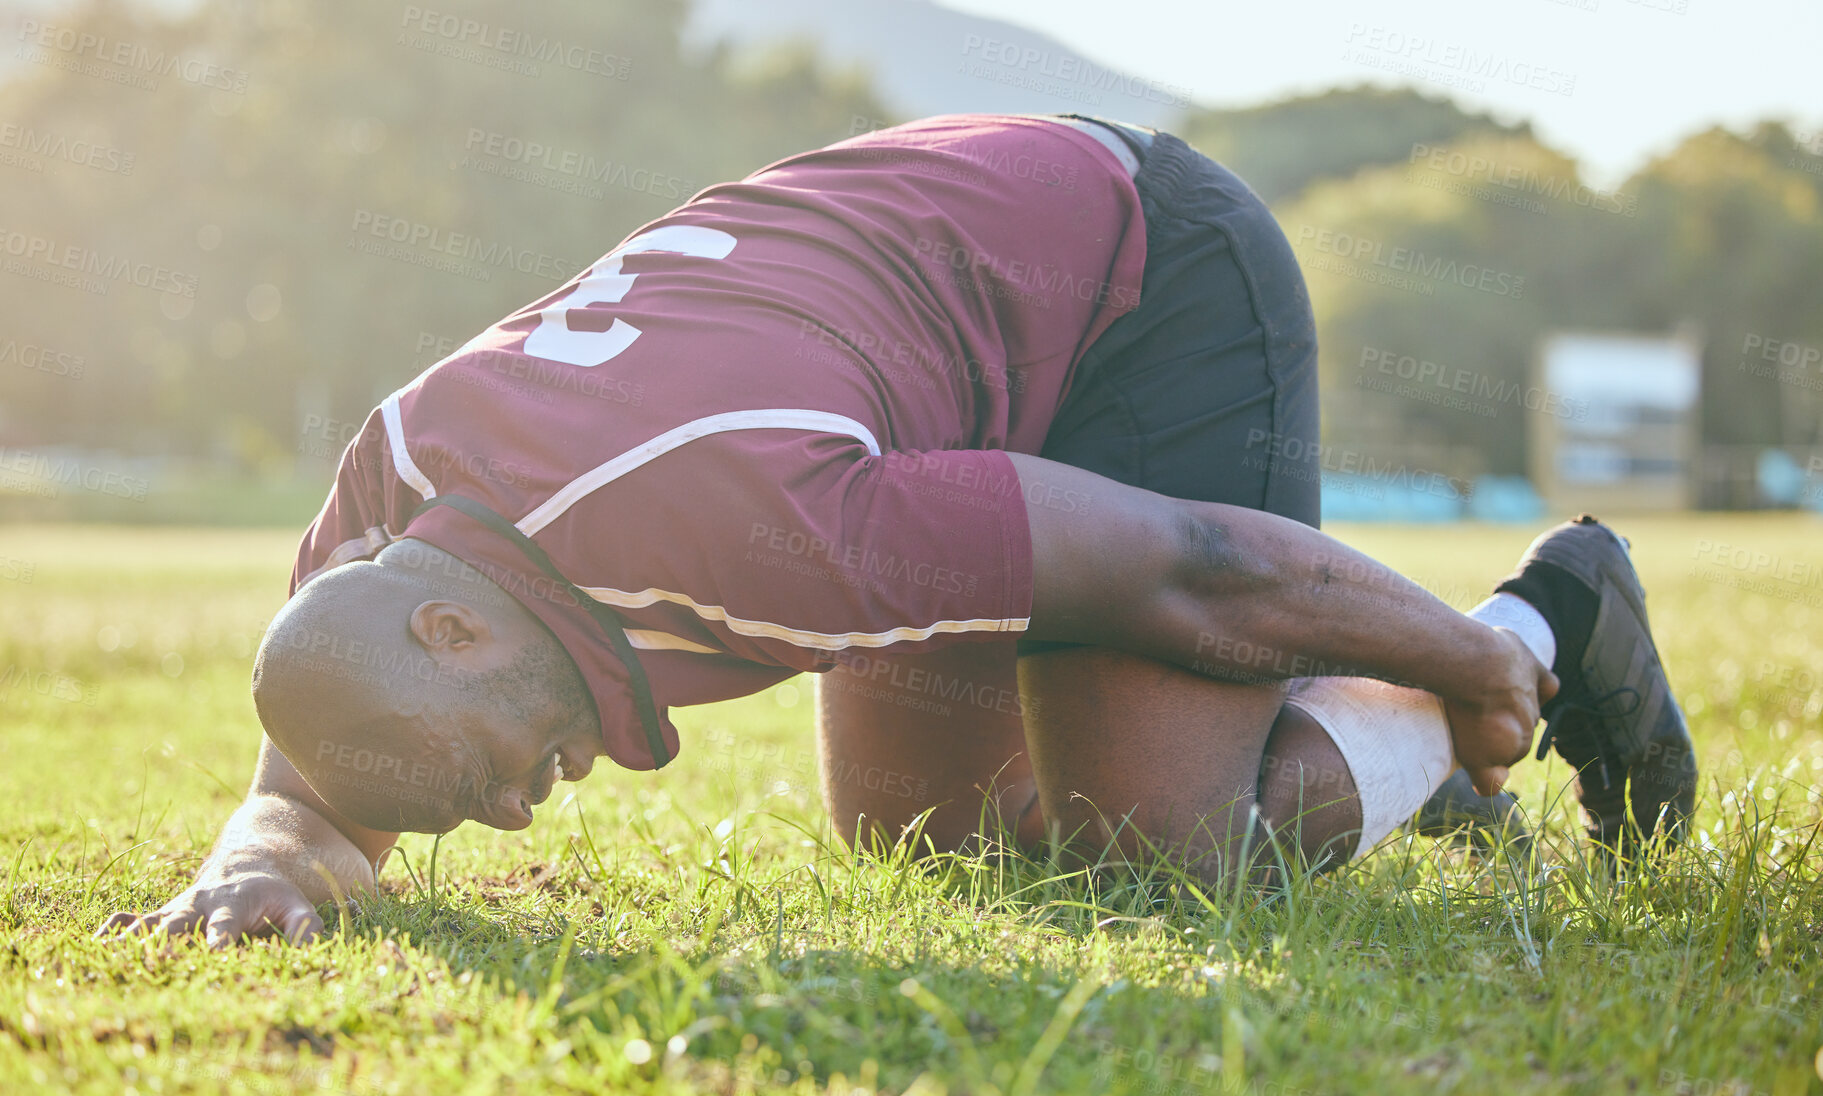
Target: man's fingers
{"points": [[1522, 741], [1547, 685], [224, 928], [292, 917], [178, 922], [300, 923], [1489, 781], [123, 922]]}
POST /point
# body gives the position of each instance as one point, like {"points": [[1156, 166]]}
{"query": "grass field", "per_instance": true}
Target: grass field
{"points": [[699, 930]]}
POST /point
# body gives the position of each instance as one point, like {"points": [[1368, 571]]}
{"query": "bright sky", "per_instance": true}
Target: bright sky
{"points": [[1646, 72]]}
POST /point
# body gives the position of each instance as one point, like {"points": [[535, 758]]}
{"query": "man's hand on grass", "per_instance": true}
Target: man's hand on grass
{"points": [[278, 858], [1492, 717], [227, 906]]}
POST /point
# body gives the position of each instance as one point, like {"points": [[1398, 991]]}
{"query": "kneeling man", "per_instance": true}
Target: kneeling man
{"points": [[980, 406]]}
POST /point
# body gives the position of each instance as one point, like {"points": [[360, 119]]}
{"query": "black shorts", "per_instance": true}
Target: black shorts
{"points": [[1201, 391]]}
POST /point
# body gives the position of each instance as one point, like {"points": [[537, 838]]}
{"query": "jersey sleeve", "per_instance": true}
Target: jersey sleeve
{"points": [[807, 550], [352, 523]]}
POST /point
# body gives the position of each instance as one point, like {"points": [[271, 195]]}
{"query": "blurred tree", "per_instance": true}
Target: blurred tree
{"points": [[1457, 264], [1282, 147], [1732, 239], [544, 134], [1432, 282], [547, 133]]}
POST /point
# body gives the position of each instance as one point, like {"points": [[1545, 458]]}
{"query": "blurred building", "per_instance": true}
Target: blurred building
{"points": [[1625, 434]]}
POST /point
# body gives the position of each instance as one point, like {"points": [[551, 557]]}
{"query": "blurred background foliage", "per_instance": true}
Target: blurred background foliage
{"points": [[343, 117], [259, 193]]}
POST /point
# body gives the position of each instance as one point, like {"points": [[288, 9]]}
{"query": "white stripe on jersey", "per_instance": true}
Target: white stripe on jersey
{"points": [[401, 457], [775, 418], [819, 641], [647, 640]]}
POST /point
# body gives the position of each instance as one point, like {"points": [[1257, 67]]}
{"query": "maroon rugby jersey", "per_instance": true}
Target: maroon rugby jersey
{"points": [[768, 428]]}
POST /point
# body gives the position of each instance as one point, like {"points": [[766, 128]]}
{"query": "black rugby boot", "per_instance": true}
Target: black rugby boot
{"points": [[1615, 719]]}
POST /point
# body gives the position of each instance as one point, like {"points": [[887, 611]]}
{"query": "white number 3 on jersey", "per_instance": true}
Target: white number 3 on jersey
{"points": [[553, 340]]}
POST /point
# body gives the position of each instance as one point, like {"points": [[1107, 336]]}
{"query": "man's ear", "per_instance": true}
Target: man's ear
{"points": [[449, 627]]}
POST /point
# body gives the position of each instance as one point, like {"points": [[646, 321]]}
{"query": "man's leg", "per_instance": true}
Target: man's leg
{"points": [[1133, 752], [900, 734], [942, 731], [1130, 751], [1121, 746]]}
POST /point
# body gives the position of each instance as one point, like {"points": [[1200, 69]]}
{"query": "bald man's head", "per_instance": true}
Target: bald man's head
{"points": [[411, 693]]}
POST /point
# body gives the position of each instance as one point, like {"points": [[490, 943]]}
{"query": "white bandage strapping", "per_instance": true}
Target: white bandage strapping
{"points": [[1395, 740], [1515, 614]]}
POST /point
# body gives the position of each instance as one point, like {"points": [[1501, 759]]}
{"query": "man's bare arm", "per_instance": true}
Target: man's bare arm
{"points": [[263, 875], [1243, 594]]}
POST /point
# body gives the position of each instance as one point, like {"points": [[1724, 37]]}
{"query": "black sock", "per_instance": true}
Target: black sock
{"points": [[1567, 606]]}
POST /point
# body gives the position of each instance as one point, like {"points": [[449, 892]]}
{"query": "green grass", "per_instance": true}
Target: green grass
{"points": [[700, 931]]}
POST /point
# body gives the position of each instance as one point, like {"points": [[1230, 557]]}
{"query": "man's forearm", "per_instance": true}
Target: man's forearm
{"points": [[1278, 599], [1233, 592], [279, 835]]}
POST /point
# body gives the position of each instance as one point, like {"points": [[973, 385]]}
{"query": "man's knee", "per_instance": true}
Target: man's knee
{"points": [[1141, 753], [1307, 794], [929, 742]]}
